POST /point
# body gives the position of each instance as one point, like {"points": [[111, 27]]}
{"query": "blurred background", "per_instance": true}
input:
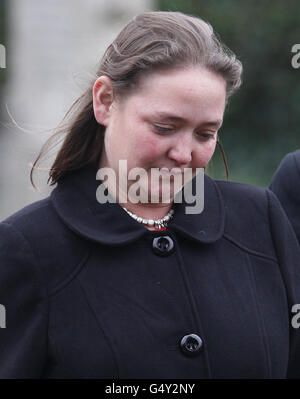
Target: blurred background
{"points": [[53, 46]]}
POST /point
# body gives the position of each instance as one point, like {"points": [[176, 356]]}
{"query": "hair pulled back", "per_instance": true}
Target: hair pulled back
{"points": [[150, 41]]}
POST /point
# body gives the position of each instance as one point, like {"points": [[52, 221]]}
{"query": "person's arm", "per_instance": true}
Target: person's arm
{"points": [[288, 255], [286, 185], [23, 332]]}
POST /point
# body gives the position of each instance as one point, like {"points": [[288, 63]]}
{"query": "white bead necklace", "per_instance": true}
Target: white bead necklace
{"points": [[158, 223]]}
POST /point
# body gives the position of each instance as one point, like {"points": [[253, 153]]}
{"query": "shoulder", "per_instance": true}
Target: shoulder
{"points": [[288, 171], [291, 159], [286, 185], [37, 210], [252, 215], [240, 197], [236, 190], [50, 245]]}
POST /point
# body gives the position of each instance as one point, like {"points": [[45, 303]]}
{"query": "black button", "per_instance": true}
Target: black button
{"points": [[191, 344], [163, 245]]}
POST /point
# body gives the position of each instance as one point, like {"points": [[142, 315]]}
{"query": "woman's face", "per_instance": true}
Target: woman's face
{"points": [[171, 120]]}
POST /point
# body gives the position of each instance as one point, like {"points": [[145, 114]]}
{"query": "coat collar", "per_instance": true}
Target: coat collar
{"points": [[74, 199]]}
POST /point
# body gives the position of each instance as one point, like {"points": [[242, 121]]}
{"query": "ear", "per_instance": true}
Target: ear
{"points": [[102, 99]]}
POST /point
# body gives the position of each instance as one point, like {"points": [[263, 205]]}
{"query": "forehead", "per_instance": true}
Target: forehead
{"points": [[187, 92]]}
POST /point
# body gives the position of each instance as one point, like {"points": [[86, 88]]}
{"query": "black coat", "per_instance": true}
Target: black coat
{"points": [[286, 185], [89, 292]]}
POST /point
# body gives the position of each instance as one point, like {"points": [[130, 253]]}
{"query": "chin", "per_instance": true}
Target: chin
{"points": [[163, 193]]}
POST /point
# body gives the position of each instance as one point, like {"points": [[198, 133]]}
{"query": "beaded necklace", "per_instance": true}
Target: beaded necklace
{"points": [[159, 224]]}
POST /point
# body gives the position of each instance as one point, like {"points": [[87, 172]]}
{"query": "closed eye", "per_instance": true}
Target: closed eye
{"points": [[203, 135], [162, 129], [206, 135]]}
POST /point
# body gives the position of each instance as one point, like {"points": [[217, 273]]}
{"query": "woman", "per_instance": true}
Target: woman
{"points": [[286, 185], [93, 291]]}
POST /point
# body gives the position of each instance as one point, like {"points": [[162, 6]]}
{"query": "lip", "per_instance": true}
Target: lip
{"points": [[175, 171]]}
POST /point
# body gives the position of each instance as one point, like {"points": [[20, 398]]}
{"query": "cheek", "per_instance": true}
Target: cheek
{"points": [[211, 149], [149, 148], [112, 147], [205, 153]]}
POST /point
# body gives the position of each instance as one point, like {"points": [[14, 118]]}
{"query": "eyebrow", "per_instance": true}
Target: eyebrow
{"points": [[172, 118]]}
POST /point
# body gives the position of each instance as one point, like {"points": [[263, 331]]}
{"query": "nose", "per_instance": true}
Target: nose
{"points": [[181, 151]]}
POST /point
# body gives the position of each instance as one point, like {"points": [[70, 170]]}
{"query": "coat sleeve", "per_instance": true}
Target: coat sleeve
{"points": [[288, 255], [23, 310]]}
